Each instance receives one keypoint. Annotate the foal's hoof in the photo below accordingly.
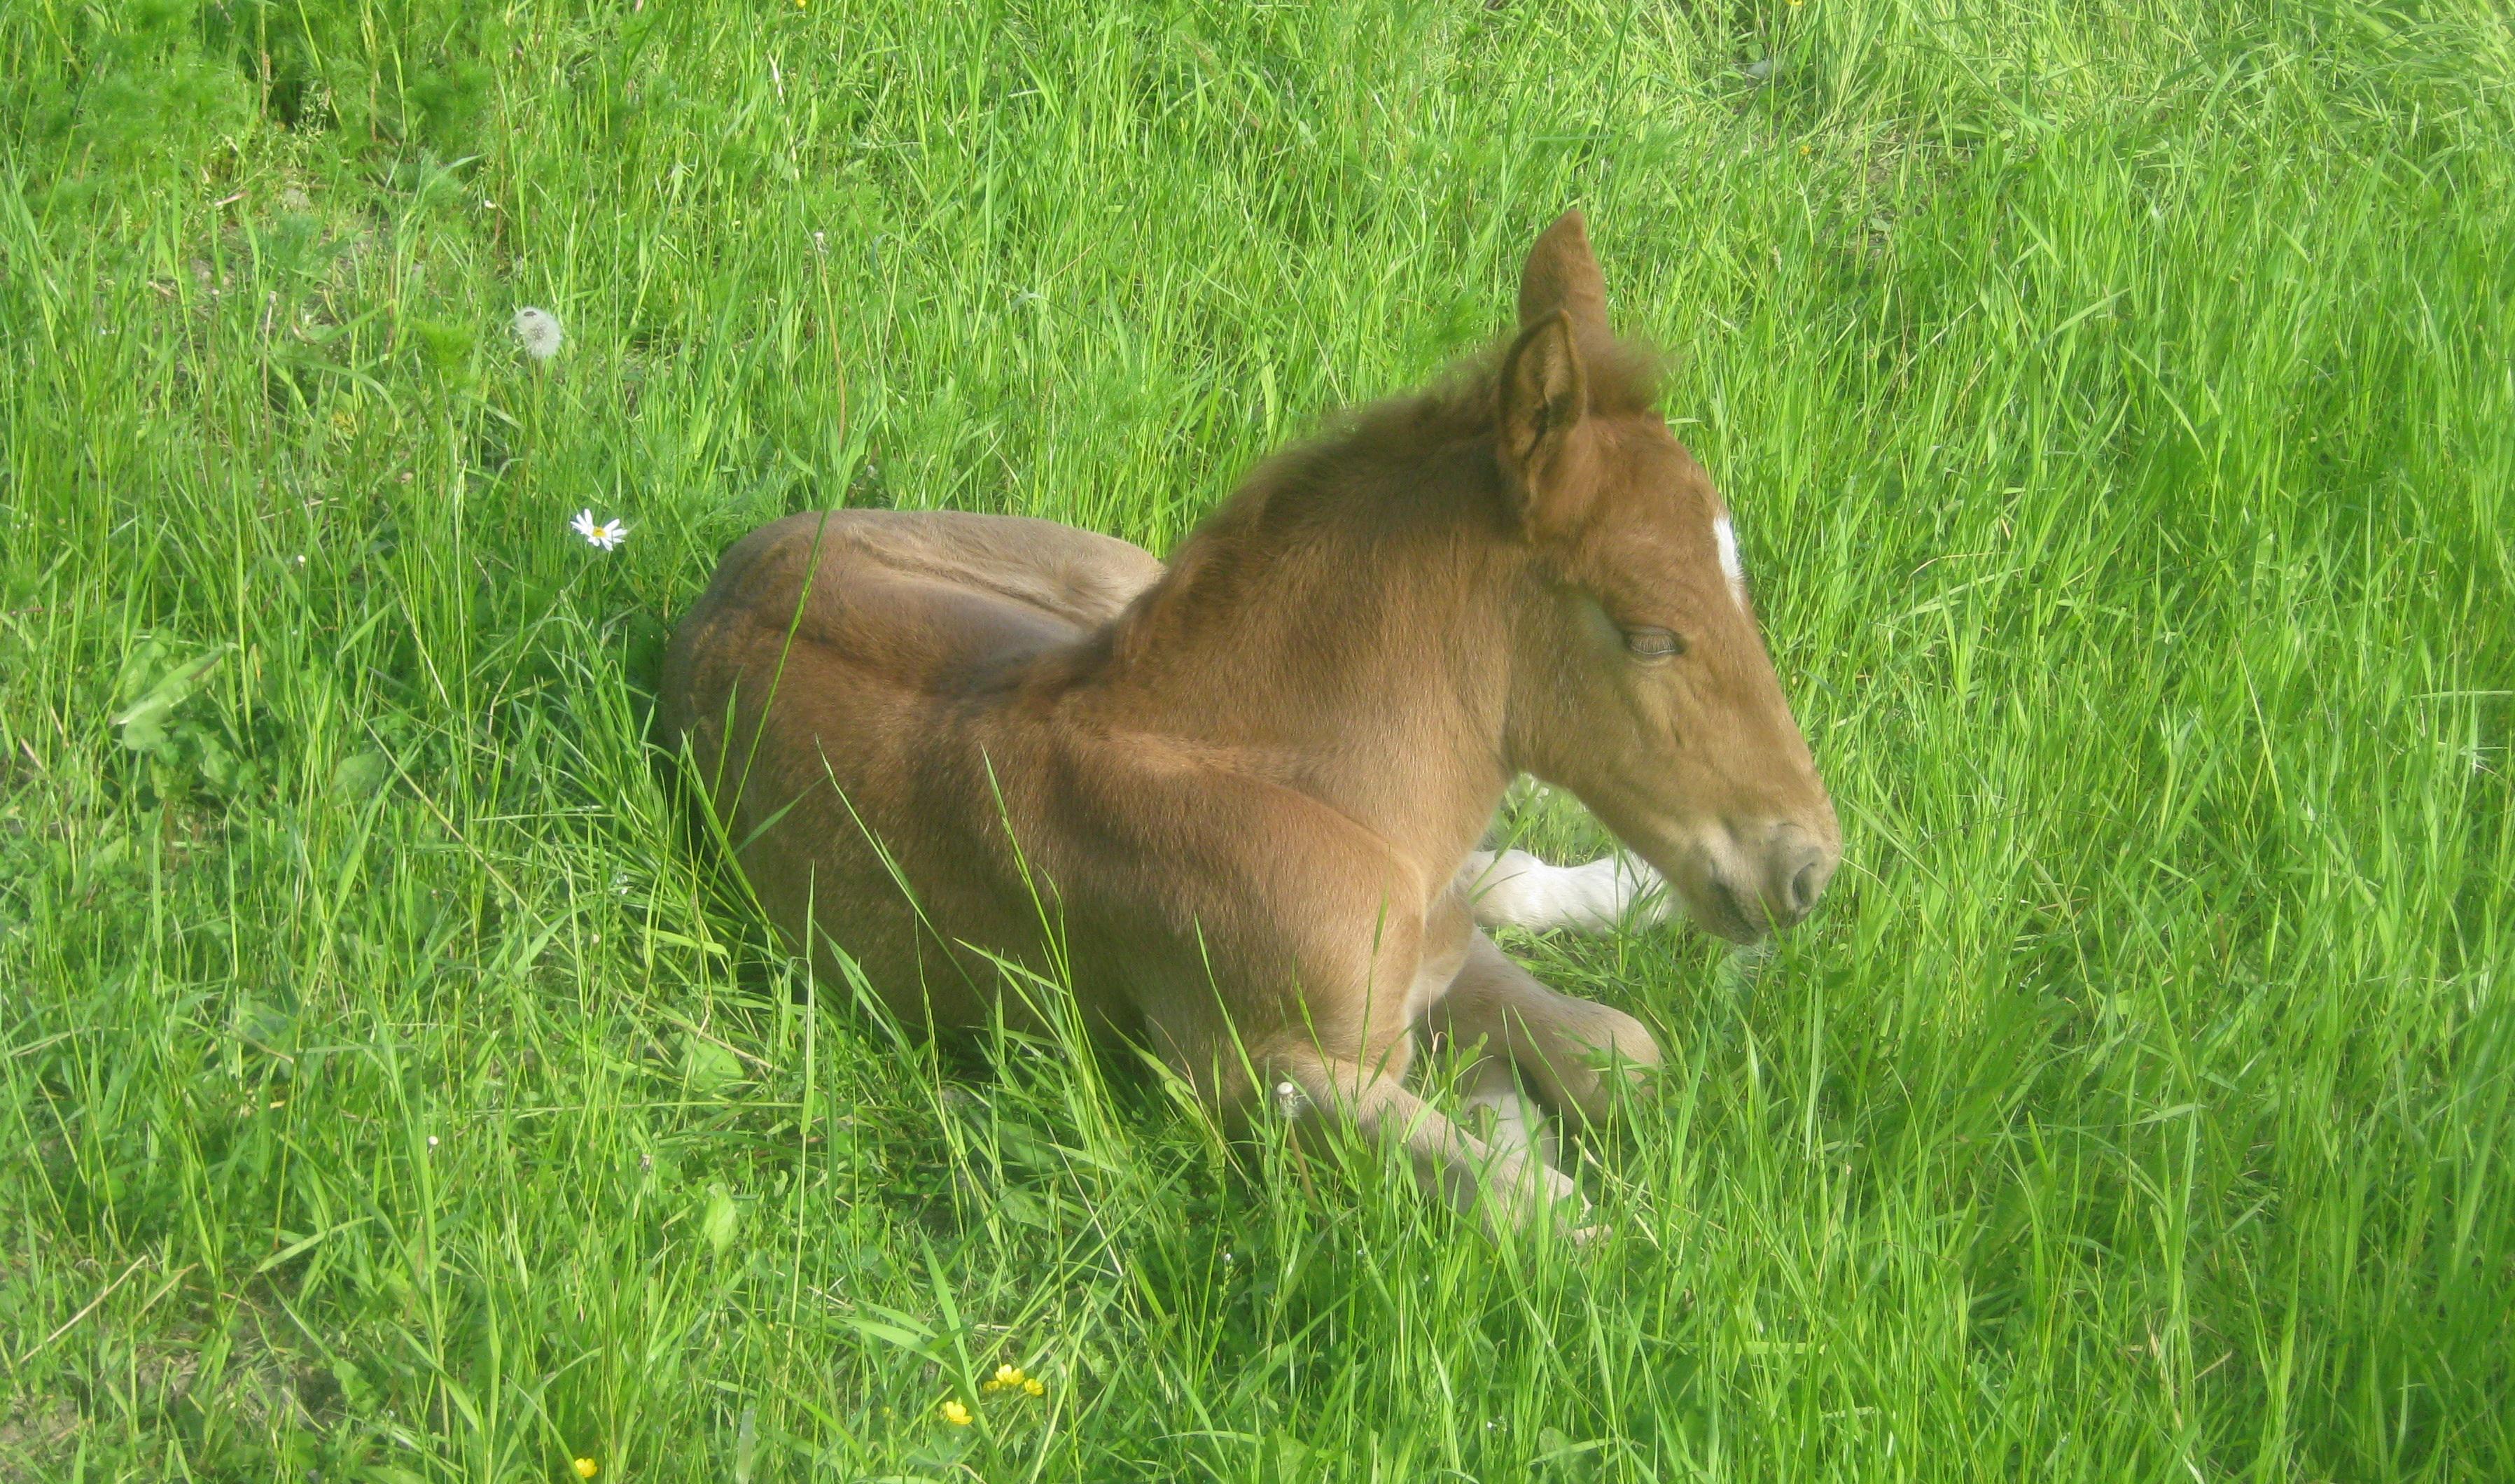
(1525, 1192)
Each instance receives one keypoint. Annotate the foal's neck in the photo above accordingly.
(1341, 629)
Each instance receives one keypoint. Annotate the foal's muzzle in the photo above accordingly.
(1763, 884)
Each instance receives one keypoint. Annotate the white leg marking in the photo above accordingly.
(1525, 1147)
(1516, 889)
(1492, 1091)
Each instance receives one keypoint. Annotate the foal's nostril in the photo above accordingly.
(1805, 888)
(1800, 870)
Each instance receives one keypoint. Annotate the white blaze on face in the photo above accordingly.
(1725, 536)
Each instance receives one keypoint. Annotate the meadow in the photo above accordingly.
(2117, 401)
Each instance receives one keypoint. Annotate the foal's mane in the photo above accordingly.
(1300, 487)
(1320, 503)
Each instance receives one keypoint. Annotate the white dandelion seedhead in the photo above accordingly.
(539, 331)
(605, 534)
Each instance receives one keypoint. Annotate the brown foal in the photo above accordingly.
(1233, 801)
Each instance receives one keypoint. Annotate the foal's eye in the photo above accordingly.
(1653, 643)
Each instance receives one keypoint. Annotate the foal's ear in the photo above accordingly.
(1542, 397)
(1562, 274)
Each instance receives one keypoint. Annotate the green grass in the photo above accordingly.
(2118, 401)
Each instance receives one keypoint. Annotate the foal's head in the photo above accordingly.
(1638, 679)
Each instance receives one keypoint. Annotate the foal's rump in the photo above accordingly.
(1081, 577)
(832, 687)
(916, 592)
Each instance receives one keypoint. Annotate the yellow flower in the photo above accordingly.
(1033, 1386)
(587, 1469)
(956, 1413)
(1006, 1378)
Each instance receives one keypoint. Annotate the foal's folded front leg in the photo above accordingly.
(1508, 1187)
(1569, 1046)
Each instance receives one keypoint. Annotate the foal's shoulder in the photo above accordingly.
(1191, 815)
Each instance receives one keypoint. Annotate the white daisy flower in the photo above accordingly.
(605, 534)
(539, 330)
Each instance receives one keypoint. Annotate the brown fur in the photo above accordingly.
(1238, 791)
